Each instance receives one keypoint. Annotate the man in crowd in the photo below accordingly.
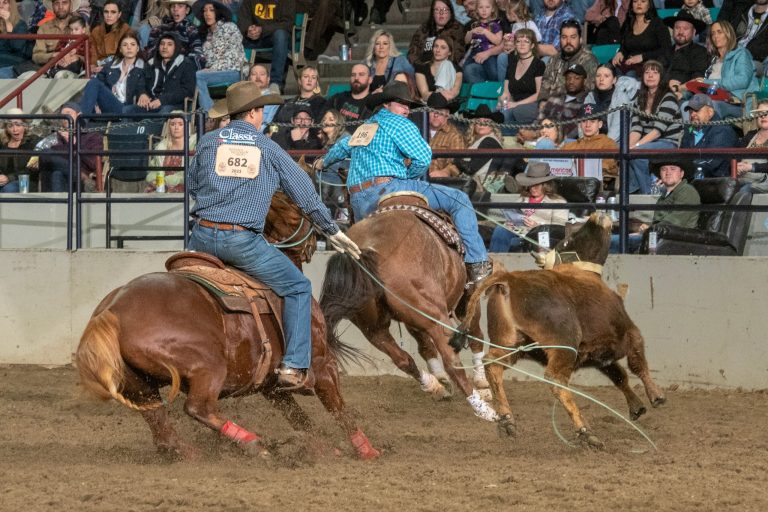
(755, 35)
(259, 74)
(443, 135)
(170, 78)
(703, 136)
(352, 103)
(567, 105)
(571, 52)
(591, 138)
(689, 59)
(267, 24)
(45, 49)
(186, 31)
(549, 23)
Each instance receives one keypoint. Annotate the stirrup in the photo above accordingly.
(291, 379)
(476, 272)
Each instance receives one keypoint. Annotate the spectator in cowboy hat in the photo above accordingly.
(180, 22)
(443, 135)
(700, 135)
(484, 133)
(689, 59)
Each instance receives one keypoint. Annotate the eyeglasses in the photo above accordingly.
(442, 10)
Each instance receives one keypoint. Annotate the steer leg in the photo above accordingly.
(618, 376)
(639, 366)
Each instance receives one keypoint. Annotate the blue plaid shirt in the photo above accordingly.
(550, 28)
(245, 201)
(396, 139)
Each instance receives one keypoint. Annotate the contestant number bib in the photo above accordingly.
(364, 134)
(238, 161)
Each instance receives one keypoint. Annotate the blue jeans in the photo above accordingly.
(98, 93)
(206, 77)
(454, 202)
(251, 253)
(485, 72)
(523, 114)
(12, 186)
(144, 31)
(633, 243)
(278, 41)
(639, 176)
(503, 240)
(7, 72)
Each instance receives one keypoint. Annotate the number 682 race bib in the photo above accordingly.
(238, 161)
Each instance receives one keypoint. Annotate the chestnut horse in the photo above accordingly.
(162, 329)
(418, 269)
(568, 306)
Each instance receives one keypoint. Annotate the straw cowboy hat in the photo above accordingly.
(243, 96)
(535, 173)
(219, 109)
(393, 91)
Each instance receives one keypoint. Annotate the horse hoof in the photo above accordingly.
(635, 414)
(257, 450)
(589, 439)
(180, 452)
(431, 385)
(448, 385)
(485, 394)
(660, 400)
(506, 427)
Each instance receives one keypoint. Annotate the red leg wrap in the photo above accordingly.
(238, 433)
(363, 446)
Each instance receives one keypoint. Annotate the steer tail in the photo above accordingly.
(102, 368)
(347, 288)
(459, 339)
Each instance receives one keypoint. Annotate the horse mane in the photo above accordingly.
(284, 224)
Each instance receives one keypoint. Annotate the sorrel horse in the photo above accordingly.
(163, 328)
(569, 306)
(420, 270)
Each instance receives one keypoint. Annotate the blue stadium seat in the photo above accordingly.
(337, 88)
(604, 52)
(667, 13)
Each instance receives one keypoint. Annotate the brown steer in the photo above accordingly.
(568, 306)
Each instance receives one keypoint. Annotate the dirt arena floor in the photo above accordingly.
(60, 451)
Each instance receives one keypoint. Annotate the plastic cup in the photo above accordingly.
(24, 183)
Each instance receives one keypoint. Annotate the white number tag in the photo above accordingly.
(363, 135)
(238, 161)
(543, 239)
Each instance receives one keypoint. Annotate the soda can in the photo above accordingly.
(344, 52)
(24, 183)
(160, 182)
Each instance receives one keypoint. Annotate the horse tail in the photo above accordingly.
(101, 366)
(460, 338)
(347, 288)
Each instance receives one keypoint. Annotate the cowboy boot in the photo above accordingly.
(476, 272)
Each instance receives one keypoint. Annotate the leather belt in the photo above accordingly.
(221, 226)
(368, 184)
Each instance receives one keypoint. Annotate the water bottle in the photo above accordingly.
(699, 174)
(655, 189)
(712, 88)
(613, 213)
(653, 241)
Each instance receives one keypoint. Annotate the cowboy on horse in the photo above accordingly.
(232, 178)
(389, 155)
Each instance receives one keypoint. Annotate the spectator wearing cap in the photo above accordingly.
(689, 59)
(703, 136)
(182, 23)
(567, 105)
(309, 97)
(644, 37)
(222, 48)
(267, 24)
(549, 22)
(611, 92)
(571, 51)
(443, 135)
(591, 138)
(301, 136)
(676, 191)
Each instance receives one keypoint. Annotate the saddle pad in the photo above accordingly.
(433, 219)
(229, 302)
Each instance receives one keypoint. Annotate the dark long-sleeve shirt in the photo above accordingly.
(689, 62)
(654, 43)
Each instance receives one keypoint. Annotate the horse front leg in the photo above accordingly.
(429, 353)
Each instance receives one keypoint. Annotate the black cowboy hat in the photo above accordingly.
(222, 10)
(682, 15)
(484, 112)
(437, 101)
(686, 164)
(394, 91)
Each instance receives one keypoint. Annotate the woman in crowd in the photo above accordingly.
(484, 43)
(518, 100)
(732, 68)
(330, 180)
(222, 48)
(486, 171)
(15, 136)
(173, 140)
(12, 52)
(517, 17)
(104, 36)
(655, 99)
(441, 22)
(644, 37)
(604, 21)
(385, 61)
(754, 171)
(535, 187)
(611, 92)
(120, 82)
(309, 97)
(441, 74)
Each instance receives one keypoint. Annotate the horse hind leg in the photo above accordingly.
(435, 364)
(638, 365)
(618, 376)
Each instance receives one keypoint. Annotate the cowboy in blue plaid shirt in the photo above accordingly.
(378, 167)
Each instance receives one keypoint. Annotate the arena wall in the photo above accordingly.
(703, 318)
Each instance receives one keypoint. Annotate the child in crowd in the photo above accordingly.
(483, 39)
(517, 17)
(72, 64)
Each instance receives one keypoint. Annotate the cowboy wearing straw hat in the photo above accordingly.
(232, 178)
(379, 149)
